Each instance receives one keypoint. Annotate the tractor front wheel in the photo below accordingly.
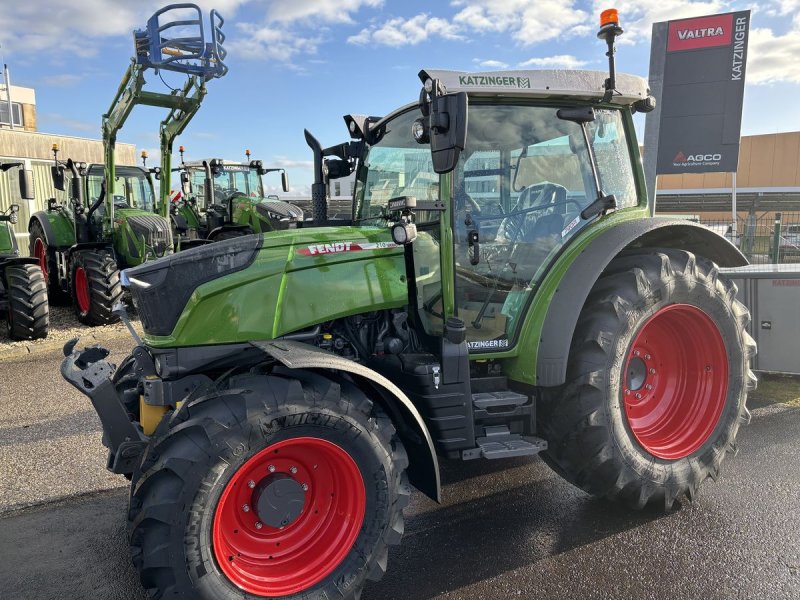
(287, 485)
(657, 380)
(28, 311)
(94, 286)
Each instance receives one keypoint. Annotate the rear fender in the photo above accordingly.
(574, 288)
(423, 470)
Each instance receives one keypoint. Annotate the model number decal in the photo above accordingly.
(338, 247)
(571, 226)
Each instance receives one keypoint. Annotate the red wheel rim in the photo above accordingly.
(675, 381)
(269, 560)
(82, 290)
(40, 252)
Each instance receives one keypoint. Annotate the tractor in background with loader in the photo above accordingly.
(23, 291)
(220, 199)
(291, 387)
(112, 219)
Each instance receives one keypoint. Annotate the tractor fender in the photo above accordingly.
(423, 470)
(46, 219)
(573, 290)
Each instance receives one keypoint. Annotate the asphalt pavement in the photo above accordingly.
(507, 529)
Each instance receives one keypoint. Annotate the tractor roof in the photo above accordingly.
(541, 84)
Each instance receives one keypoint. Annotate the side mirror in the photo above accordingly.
(75, 187)
(26, 190)
(285, 181)
(443, 123)
(57, 174)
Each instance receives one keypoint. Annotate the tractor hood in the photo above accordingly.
(143, 235)
(260, 287)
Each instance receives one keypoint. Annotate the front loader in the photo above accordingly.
(23, 291)
(112, 219)
(500, 291)
(220, 199)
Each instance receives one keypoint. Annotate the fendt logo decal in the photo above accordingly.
(339, 247)
(704, 32)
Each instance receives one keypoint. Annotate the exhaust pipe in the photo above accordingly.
(319, 204)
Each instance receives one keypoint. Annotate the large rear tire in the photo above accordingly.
(47, 263)
(94, 286)
(200, 525)
(28, 310)
(657, 380)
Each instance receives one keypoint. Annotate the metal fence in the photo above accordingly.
(763, 239)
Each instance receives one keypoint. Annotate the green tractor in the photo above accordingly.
(23, 291)
(501, 291)
(221, 199)
(112, 219)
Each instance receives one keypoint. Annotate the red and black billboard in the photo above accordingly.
(702, 62)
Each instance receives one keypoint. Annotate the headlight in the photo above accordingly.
(420, 131)
(404, 233)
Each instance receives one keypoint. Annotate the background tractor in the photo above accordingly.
(509, 296)
(23, 291)
(112, 219)
(221, 199)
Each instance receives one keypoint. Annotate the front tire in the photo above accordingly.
(94, 286)
(200, 524)
(28, 310)
(657, 381)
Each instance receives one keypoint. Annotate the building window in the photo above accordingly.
(16, 109)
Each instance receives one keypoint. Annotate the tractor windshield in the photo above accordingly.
(395, 166)
(132, 188)
(522, 182)
(228, 180)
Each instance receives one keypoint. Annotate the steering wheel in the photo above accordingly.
(532, 198)
(120, 202)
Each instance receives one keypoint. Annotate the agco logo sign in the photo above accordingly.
(681, 158)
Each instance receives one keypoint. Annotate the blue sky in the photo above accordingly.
(305, 63)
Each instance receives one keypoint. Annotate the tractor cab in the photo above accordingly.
(220, 198)
(536, 162)
(133, 188)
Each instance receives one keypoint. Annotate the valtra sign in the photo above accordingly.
(702, 65)
(704, 32)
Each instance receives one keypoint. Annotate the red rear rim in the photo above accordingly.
(676, 381)
(289, 517)
(40, 252)
(82, 290)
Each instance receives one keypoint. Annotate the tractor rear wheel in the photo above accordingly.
(94, 286)
(47, 263)
(657, 380)
(28, 310)
(288, 485)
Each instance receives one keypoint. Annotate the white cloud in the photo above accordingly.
(401, 32)
(772, 58)
(528, 22)
(271, 43)
(559, 61)
(489, 64)
(284, 11)
(284, 162)
(61, 80)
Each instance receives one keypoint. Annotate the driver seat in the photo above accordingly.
(541, 195)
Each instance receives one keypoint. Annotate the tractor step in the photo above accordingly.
(501, 401)
(499, 442)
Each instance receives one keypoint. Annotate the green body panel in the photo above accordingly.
(62, 226)
(125, 239)
(285, 290)
(6, 239)
(188, 213)
(246, 213)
